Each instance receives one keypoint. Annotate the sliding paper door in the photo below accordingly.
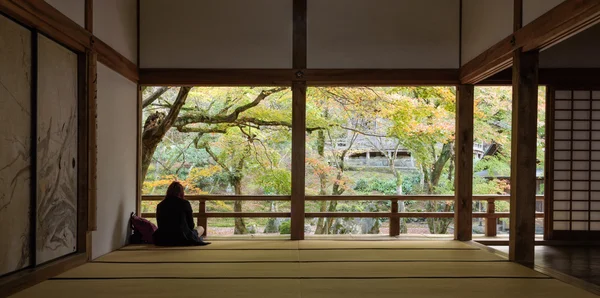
(56, 151)
(15, 145)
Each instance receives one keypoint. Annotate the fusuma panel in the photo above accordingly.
(15, 145)
(576, 166)
(383, 34)
(56, 151)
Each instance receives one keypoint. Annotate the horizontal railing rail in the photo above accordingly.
(491, 216)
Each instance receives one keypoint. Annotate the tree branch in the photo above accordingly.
(154, 96)
(230, 118)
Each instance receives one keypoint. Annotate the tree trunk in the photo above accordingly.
(329, 222)
(320, 228)
(272, 225)
(439, 165)
(438, 225)
(156, 126)
(401, 207)
(240, 226)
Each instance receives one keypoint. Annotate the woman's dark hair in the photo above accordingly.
(175, 190)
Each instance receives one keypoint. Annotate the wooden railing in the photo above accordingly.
(394, 215)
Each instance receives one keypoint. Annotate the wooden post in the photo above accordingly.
(298, 152)
(298, 119)
(463, 206)
(490, 223)
(523, 156)
(202, 220)
(394, 221)
(92, 78)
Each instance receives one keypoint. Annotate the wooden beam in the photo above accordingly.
(380, 77)
(523, 157)
(216, 77)
(564, 20)
(298, 159)
(569, 78)
(48, 20)
(115, 61)
(284, 77)
(463, 181)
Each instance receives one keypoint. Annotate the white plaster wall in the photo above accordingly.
(484, 23)
(532, 9)
(74, 9)
(216, 34)
(117, 153)
(579, 51)
(383, 33)
(115, 23)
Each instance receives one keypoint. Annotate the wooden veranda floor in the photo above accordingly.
(310, 268)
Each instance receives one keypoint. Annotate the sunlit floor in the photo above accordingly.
(309, 268)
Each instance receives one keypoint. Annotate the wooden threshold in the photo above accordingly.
(28, 277)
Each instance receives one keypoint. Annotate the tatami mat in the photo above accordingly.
(215, 256)
(365, 255)
(410, 244)
(342, 288)
(302, 270)
(355, 255)
(226, 245)
(306, 269)
(314, 244)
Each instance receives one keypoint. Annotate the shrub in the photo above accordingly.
(285, 228)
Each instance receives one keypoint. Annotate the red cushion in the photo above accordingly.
(144, 227)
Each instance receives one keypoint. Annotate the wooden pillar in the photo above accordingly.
(298, 119)
(463, 206)
(298, 153)
(523, 156)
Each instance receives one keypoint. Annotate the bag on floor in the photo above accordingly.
(142, 230)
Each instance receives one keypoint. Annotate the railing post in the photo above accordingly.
(394, 220)
(202, 220)
(490, 222)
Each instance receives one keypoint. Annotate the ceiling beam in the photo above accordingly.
(48, 20)
(564, 20)
(285, 77)
(565, 77)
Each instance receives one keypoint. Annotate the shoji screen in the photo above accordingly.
(575, 149)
